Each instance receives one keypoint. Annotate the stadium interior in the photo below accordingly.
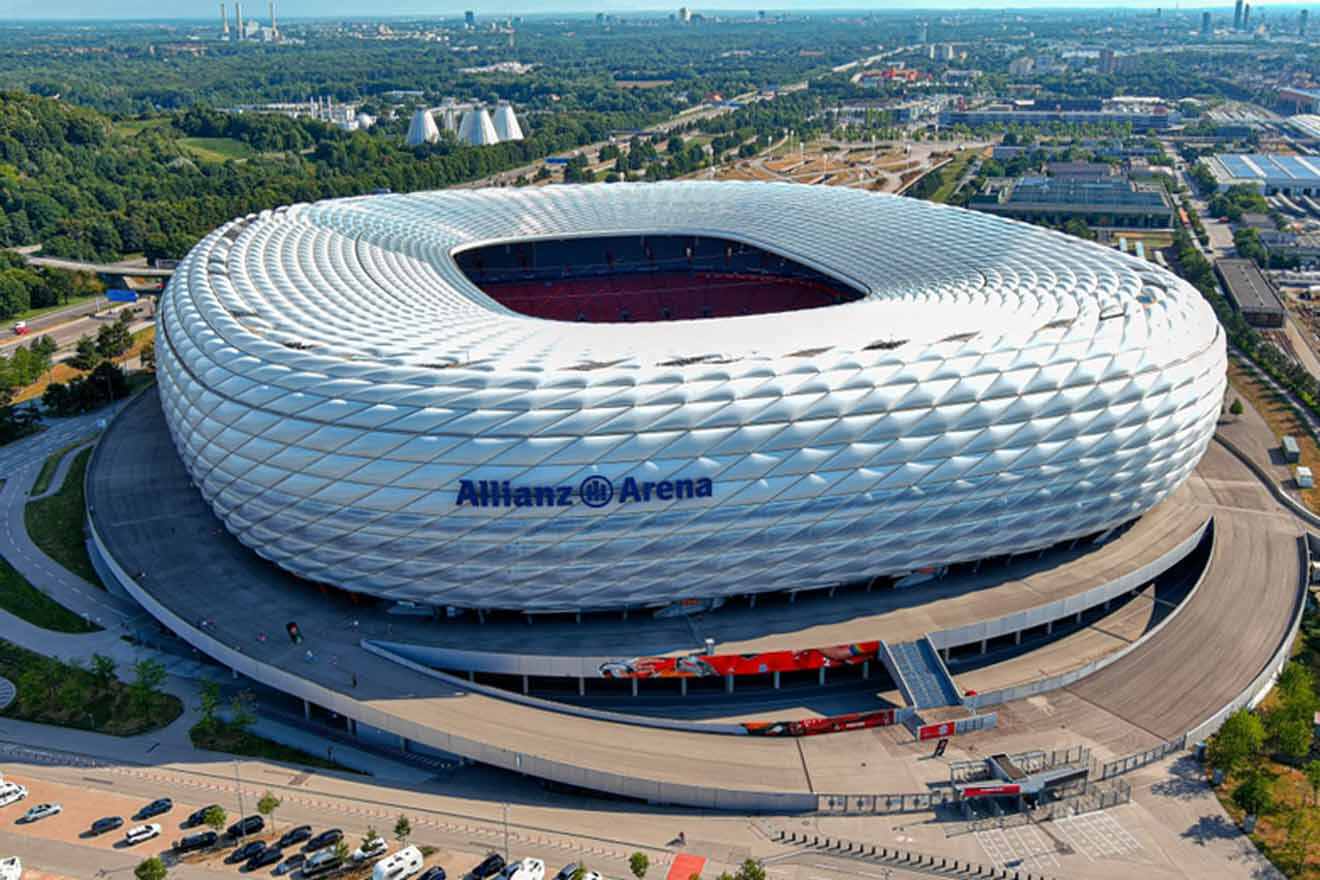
(622, 279)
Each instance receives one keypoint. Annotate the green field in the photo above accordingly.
(55, 523)
(217, 149)
(130, 127)
(21, 599)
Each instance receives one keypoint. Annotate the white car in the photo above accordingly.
(373, 849)
(525, 869)
(11, 793)
(139, 833)
(41, 811)
(11, 869)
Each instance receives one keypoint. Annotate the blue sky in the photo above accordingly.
(147, 9)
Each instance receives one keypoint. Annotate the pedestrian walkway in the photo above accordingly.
(61, 471)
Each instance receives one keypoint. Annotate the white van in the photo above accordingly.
(404, 863)
(11, 793)
(140, 833)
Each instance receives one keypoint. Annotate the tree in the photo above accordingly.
(215, 818)
(341, 850)
(1240, 739)
(1254, 795)
(402, 830)
(1301, 831)
(638, 862)
(750, 869)
(149, 675)
(149, 357)
(372, 834)
(267, 807)
(241, 708)
(208, 703)
(151, 869)
(1312, 772)
(1292, 737)
(103, 671)
(1236, 408)
(85, 355)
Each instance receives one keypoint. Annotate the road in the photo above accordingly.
(126, 267)
(67, 326)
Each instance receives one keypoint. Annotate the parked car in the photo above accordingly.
(436, 873)
(489, 867)
(41, 811)
(197, 817)
(139, 833)
(245, 852)
(321, 862)
(372, 849)
(268, 856)
(194, 842)
(155, 808)
(21, 328)
(11, 868)
(11, 793)
(567, 872)
(294, 835)
(525, 869)
(292, 863)
(106, 823)
(325, 839)
(245, 826)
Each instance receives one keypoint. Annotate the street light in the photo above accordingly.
(238, 786)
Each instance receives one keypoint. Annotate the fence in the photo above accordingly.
(1132, 762)
(884, 804)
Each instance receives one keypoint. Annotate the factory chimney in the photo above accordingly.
(224, 23)
(238, 20)
(273, 28)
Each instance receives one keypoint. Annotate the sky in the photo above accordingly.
(202, 9)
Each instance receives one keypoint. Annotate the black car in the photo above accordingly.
(108, 823)
(326, 838)
(155, 808)
(567, 872)
(244, 852)
(194, 842)
(245, 826)
(295, 835)
(268, 856)
(292, 863)
(489, 867)
(436, 873)
(197, 817)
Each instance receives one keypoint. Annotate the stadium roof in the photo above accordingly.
(372, 279)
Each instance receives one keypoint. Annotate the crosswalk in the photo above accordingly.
(1097, 835)
(1021, 847)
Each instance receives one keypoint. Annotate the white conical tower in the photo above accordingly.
(506, 124)
(422, 129)
(477, 128)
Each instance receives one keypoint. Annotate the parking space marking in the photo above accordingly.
(1097, 835)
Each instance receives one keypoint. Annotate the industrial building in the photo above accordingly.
(1251, 292)
(592, 397)
(1103, 202)
(1271, 173)
(1141, 116)
(471, 123)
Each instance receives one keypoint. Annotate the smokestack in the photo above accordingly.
(238, 21)
(272, 16)
(224, 22)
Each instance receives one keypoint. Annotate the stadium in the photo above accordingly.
(583, 398)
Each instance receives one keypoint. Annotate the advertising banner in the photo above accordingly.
(698, 665)
(935, 731)
(815, 726)
(991, 790)
(121, 296)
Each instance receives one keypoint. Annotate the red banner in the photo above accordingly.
(816, 726)
(991, 790)
(935, 731)
(719, 665)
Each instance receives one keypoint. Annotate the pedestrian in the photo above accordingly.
(355, 679)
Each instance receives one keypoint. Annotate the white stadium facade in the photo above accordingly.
(626, 395)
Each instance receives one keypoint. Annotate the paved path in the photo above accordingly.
(61, 473)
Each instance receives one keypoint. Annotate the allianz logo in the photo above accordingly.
(594, 491)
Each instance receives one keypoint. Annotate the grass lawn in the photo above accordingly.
(131, 127)
(217, 149)
(221, 736)
(21, 599)
(55, 523)
(949, 175)
(51, 692)
(49, 466)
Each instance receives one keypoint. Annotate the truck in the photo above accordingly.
(1292, 453)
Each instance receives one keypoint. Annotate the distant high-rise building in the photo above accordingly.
(1302, 22)
(760, 15)
(470, 18)
(923, 33)
(1246, 16)
(1108, 61)
(684, 14)
(1206, 26)
(600, 19)
(1237, 15)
